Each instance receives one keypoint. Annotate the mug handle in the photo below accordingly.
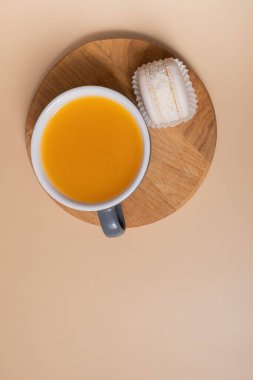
(112, 221)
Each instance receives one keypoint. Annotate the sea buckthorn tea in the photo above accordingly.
(91, 149)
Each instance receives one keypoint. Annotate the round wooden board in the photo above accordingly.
(181, 156)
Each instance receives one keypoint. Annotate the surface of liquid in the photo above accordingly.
(91, 149)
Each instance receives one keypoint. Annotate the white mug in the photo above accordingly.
(109, 212)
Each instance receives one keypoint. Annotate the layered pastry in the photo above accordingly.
(164, 93)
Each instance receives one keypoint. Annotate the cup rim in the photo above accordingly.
(51, 109)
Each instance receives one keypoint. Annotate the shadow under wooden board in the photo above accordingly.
(181, 156)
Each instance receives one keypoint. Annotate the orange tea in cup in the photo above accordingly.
(91, 149)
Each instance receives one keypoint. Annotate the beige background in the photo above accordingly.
(172, 300)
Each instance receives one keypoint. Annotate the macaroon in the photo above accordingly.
(164, 93)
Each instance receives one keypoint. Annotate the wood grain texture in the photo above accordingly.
(180, 157)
